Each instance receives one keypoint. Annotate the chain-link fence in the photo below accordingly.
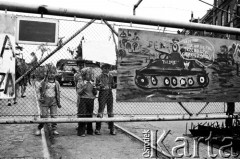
(28, 105)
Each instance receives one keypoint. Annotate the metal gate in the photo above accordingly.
(75, 31)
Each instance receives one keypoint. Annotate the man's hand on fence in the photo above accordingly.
(41, 100)
(59, 106)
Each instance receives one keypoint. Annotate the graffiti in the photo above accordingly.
(198, 49)
(7, 57)
(236, 54)
(7, 46)
(7, 82)
(170, 62)
(8, 86)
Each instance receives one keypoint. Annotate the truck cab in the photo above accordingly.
(65, 67)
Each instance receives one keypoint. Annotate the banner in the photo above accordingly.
(7, 56)
(159, 67)
(100, 51)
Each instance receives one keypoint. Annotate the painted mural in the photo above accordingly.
(159, 67)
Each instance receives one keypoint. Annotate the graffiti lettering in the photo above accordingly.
(198, 49)
(170, 62)
(2, 76)
(190, 55)
(8, 87)
(6, 45)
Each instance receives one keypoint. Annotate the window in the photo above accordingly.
(228, 15)
(216, 21)
(222, 19)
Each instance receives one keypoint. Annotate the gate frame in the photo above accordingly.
(49, 10)
(86, 14)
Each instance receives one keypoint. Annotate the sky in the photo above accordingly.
(179, 10)
(173, 10)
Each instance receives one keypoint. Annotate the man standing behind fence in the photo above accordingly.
(78, 78)
(105, 83)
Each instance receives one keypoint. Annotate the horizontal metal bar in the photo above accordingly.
(80, 13)
(115, 119)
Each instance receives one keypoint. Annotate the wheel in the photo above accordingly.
(190, 81)
(142, 80)
(154, 80)
(166, 81)
(203, 80)
(183, 82)
(174, 81)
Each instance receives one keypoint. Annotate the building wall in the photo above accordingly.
(219, 16)
(222, 17)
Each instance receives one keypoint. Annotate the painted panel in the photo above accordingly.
(159, 67)
(7, 56)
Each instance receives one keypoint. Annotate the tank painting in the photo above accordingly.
(159, 67)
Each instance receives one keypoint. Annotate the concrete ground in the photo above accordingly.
(105, 146)
(18, 140)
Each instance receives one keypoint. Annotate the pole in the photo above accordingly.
(80, 13)
(110, 27)
(135, 7)
(203, 108)
(189, 113)
(115, 119)
(55, 50)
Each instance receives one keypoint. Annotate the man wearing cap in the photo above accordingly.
(104, 84)
(33, 63)
(34, 60)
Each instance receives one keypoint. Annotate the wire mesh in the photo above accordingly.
(28, 102)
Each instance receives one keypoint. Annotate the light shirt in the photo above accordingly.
(50, 89)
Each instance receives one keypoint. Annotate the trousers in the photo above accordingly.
(105, 98)
(85, 110)
(49, 105)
